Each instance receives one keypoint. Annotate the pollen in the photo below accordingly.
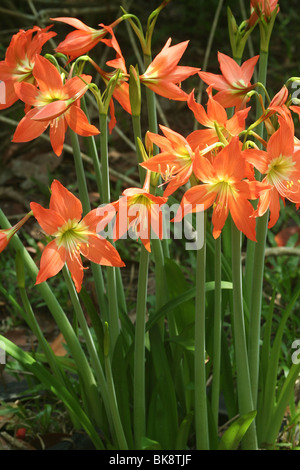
(72, 235)
(279, 173)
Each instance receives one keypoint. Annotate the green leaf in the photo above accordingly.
(236, 431)
(149, 444)
(183, 432)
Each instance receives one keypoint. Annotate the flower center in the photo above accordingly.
(23, 70)
(279, 171)
(224, 188)
(138, 214)
(72, 235)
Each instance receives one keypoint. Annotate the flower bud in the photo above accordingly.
(134, 91)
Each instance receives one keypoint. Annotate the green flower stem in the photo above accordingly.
(114, 322)
(262, 78)
(84, 198)
(104, 159)
(83, 367)
(255, 258)
(80, 174)
(159, 247)
(201, 420)
(151, 104)
(249, 265)
(215, 397)
(139, 408)
(136, 123)
(33, 324)
(255, 312)
(119, 431)
(95, 361)
(245, 401)
(92, 151)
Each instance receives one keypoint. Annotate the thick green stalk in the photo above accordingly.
(119, 431)
(250, 274)
(201, 420)
(80, 174)
(244, 388)
(215, 397)
(139, 406)
(114, 323)
(84, 198)
(255, 312)
(152, 119)
(84, 370)
(151, 104)
(98, 174)
(136, 123)
(92, 151)
(255, 259)
(35, 328)
(94, 358)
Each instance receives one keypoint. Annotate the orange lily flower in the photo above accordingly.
(72, 237)
(281, 166)
(175, 162)
(8, 233)
(164, 75)
(55, 104)
(83, 39)
(20, 59)
(234, 83)
(215, 119)
(225, 188)
(138, 211)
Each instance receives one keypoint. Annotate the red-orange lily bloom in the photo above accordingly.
(281, 166)
(164, 75)
(138, 211)
(215, 120)
(175, 161)
(234, 83)
(56, 104)
(73, 237)
(83, 39)
(225, 188)
(20, 59)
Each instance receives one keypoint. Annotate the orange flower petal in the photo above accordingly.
(57, 134)
(48, 219)
(27, 92)
(242, 211)
(79, 123)
(28, 129)
(101, 251)
(74, 264)
(52, 261)
(64, 202)
(46, 75)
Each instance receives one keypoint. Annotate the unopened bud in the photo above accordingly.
(134, 91)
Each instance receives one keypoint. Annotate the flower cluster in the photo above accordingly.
(225, 170)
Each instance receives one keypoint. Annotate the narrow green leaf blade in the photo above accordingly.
(234, 434)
